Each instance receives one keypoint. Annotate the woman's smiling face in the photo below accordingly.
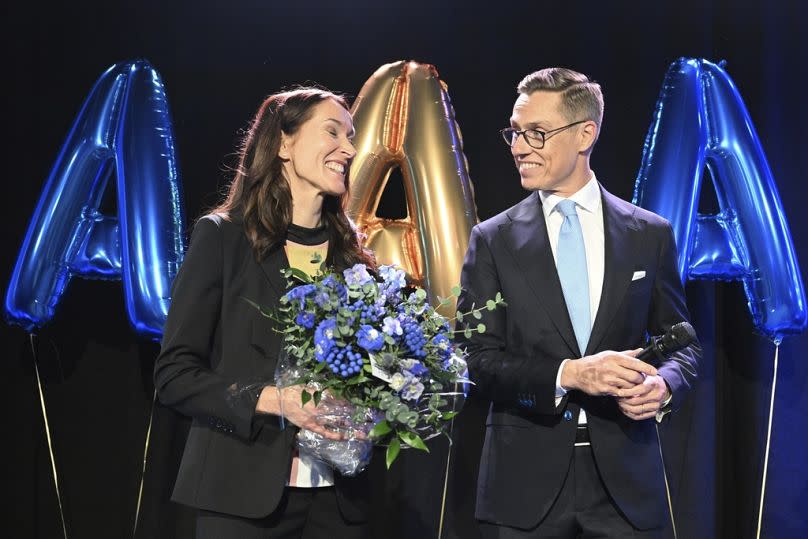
(317, 157)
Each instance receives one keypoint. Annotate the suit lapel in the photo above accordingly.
(273, 262)
(272, 265)
(527, 240)
(620, 234)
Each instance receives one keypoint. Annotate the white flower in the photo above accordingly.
(397, 381)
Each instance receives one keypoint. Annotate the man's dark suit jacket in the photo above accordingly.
(529, 440)
(217, 352)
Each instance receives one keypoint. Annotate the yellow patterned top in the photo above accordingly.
(302, 256)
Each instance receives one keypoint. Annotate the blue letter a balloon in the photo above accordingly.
(123, 125)
(701, 120)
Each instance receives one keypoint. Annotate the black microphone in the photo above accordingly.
(662, 346)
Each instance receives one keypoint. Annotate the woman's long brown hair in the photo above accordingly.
(260, 194)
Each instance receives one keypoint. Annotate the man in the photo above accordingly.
(571, 446)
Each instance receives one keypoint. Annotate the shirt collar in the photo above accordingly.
(587, 197)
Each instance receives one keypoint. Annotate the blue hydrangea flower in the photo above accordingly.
(392, 326)
(393, 280)
(333, 283)
(414, 367)
(357, 275)
(412, 391)
(370, 338)
(299, 293)
(373, 312)
(324, 338)
(322, 297)
(393, 276)
(305, 319)
(456, 363)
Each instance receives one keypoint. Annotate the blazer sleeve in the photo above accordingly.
(668, 308)
(183, 376)
(499, 375)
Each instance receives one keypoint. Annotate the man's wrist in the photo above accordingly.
(668, 396)
(566, 380)
(665, 405)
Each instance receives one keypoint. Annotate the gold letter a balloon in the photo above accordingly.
(404, 118)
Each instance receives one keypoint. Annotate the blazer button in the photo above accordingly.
(567, 415)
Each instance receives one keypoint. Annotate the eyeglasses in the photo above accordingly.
(534, 137)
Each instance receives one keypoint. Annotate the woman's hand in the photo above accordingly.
(330, 418)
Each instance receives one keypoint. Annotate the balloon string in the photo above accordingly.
(143, 470)
(48, 436)
(768, 441)
(446, 471)
(667, 485)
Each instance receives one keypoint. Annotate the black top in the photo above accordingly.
(307, 236)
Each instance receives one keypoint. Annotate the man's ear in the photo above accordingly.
(588, 136)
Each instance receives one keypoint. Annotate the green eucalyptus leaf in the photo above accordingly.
(477, 314)
(456, 290)
(480, 328)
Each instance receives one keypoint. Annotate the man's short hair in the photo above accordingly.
(581, 98)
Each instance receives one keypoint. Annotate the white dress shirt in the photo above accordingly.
(589, 205)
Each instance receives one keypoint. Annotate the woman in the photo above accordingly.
(218, 354)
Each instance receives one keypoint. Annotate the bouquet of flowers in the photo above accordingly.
(375, 356)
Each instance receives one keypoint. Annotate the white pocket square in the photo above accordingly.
(638, 275)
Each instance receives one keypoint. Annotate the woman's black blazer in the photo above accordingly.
(217, 352)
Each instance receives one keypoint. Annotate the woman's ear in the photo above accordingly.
(286, 144)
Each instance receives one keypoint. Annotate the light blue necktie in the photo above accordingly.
(571, 266)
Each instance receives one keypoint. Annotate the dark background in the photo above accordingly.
(219, 60)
